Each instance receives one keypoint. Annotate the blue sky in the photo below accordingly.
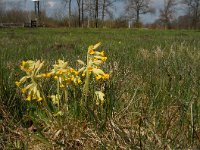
(55, 6)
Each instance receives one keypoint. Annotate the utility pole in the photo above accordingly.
(37, 12)
(37, 8)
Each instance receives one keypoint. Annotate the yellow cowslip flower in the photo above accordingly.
(56, 77)
(62, 86)
(24, 63)
(23, 90)
(76, 73)
(18, 83)
(39, 99)
(28, 98)
(91, 51)
(79, 81)
(102, 53)
(83, 74)
(60, 72)
(95, 59)
(103, 58)
(48, 75)
(106, 76)
(67, 79)
(98, 77)
(72, 70)
(90, 69)
(72, 78)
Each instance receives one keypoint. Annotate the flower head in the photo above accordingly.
(103, 58)
(18, 83)
(28, 98)
(102, 53)
(91, 51)
(39, 99)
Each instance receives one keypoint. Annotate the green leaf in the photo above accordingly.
(40, 137)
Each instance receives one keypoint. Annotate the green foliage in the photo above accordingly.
(152, 99)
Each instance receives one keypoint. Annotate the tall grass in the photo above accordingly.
(153, 92)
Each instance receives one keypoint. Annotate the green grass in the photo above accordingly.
(154, 85)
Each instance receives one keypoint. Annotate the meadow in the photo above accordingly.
(151, 97)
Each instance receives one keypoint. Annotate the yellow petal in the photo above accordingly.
(60, 72)
(98, 77)
(24, 63)
(102, 53)
(62, 86)
(48, 75)
(28, 98)
(104, 58)
(72, 70)
(56, 77)
(91, 52)
(72, 78)
(83, 74)
(79, 81)
(23, 90)
(106, 76)
(39, 99)
(17, 83)
(76, 73)
(90, 69)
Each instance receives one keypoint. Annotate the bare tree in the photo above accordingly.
(79, 12)
(68, 3)
(107, 5)
(82, 12)
(94, 10)
(135, 8)
(96, 13)
(193, 10)
(89, 11)
(168, 12)
(103, 7)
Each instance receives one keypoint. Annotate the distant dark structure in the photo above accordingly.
(34, 23)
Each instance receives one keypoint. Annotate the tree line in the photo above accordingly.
(100, 13)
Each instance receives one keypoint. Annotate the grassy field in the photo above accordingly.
(153, 94)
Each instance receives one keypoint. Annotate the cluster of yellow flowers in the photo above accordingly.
(65, 74)
(94, 60)
(62, 73)
(30, 90)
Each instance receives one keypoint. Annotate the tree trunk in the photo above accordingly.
(70, 13)
(96, 13)
(103, 10)
(90, 14)
(79, 12)
(82, 13)
(195, 19)
(137, 16)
